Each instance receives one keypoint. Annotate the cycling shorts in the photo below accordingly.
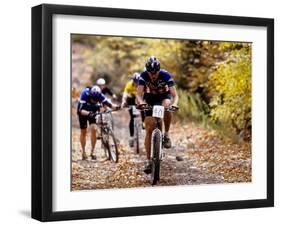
(131, 101)
(83, 121)
(155, 99)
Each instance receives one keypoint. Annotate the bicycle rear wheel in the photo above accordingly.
(112, 147)
(156, 145)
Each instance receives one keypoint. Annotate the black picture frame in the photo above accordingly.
(42, 108)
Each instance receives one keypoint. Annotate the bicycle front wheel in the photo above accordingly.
(104, 145)
(112, 147)
(111, 121)
(156, 145)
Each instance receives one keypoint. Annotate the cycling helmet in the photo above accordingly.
(152, 64)
(100, 82)
(135, 77)
(95, 91)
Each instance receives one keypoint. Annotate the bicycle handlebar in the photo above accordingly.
(146, 107)
(107, 111)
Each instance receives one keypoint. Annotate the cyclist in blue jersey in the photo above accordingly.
(89, 103)
(156, 86)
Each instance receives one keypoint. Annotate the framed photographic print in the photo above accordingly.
(145, 112)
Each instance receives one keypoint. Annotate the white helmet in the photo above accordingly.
(100, 82)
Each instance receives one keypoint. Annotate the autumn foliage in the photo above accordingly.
(213, 78)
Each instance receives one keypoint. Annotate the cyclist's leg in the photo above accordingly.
(167, 115)
(131, 101)
(149, 126)
(83, 133)
(131, 123)
(93, 137)
(131, 128)
(166, 102)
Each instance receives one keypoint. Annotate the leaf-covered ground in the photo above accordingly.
(198, 156)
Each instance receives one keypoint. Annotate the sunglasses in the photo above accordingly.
(153, 72)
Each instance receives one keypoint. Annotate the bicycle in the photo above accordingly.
(137, 127)
(157, 138)
(103, 121)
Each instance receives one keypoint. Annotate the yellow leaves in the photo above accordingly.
(219, 71)
(233, 80)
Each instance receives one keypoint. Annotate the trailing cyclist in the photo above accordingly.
(104, 89)
(129, 99)
(109, 94)
(89, 103)
(156, 87)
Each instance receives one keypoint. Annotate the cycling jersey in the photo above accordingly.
(160, 86)
(89, 103)
(130, 89)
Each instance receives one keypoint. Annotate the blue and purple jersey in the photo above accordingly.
(161, 85)
(89, 103)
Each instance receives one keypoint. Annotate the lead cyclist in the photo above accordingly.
(156, 87)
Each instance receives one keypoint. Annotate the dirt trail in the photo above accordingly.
(205, 158)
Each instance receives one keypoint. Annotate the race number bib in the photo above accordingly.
(158, 111)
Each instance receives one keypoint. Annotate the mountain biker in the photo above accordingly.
(129, 99)
(156, 86)
(89, 103)
(105, 90)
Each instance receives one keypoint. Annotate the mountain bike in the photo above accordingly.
(103, 121)
(157, 138)
(137, 127)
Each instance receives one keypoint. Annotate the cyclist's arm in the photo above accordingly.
(83, 101)
(124, 98)
(85, 113)
(125, 94)
(108, 103)
(175, 96)
(140, 91)
(108, 91)
(81, 110)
